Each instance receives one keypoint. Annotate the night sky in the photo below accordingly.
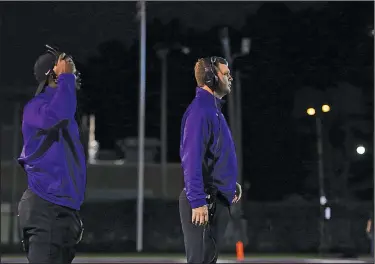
(79, 27)
(295, 46)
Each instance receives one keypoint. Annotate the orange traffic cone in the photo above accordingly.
(239, 250)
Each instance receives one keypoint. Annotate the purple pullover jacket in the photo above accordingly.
(52, 156)
(205, 137)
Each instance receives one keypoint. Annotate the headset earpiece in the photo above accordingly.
(211, 79)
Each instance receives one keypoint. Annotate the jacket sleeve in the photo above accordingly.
(194, 141)
(44, 114)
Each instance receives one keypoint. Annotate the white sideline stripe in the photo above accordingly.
(219, 261)
(334, 261)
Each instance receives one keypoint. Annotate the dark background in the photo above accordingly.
(322, 46)
(303, 54)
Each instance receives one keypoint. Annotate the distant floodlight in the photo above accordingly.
(311, 111)
(245, 46)
(185, 50)
(323, 200)
(361, 150)
(327, 213)
(326, 108)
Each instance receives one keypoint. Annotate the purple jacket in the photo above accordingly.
(205, 137)
(52, 155)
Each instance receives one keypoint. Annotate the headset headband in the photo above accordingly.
(52, 50)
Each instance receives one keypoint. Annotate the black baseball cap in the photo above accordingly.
(42, 69)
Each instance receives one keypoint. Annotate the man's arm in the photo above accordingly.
(195, 138)
(45, 114)
(368, 227)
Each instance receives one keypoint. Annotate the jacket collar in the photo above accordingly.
(209, 98)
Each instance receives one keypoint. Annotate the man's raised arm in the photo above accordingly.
(44, 114)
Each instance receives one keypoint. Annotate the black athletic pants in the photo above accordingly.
(202, 243)
(49, 232)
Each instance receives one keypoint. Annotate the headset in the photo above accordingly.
(210, 78)
(55, 52)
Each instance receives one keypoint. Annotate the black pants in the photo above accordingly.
(202, 243)
(49, 232)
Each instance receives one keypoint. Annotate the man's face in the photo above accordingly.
(225, 79)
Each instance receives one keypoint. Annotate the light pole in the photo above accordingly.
(162, 52)
(235, 116)
(322, 196)
(234, 110)
(141, 5)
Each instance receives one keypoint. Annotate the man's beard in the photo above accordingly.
(222, 90)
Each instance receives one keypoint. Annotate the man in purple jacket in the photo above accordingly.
(209, 164)
(54, 161)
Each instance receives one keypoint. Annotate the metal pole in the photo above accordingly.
(16, 128)
(141, 123)
(245, 50)
(238, 111)
(321, 182)
(163, 53)
(234, 120)
(227, 53)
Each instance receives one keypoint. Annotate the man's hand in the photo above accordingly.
(238, 193)
(64, 65)
(200, 215)
(368, 227)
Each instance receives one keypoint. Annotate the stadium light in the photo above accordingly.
(326, 108)
(311, 111)
(325, 213)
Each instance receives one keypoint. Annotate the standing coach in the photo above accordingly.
(209, 164)
(54, 161)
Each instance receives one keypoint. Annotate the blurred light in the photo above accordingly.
(327, 213)
(326, 108)
(311, 111)
(323, 200)
(245, 46)
(361, 150)
(93, 151)
(185, 50)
